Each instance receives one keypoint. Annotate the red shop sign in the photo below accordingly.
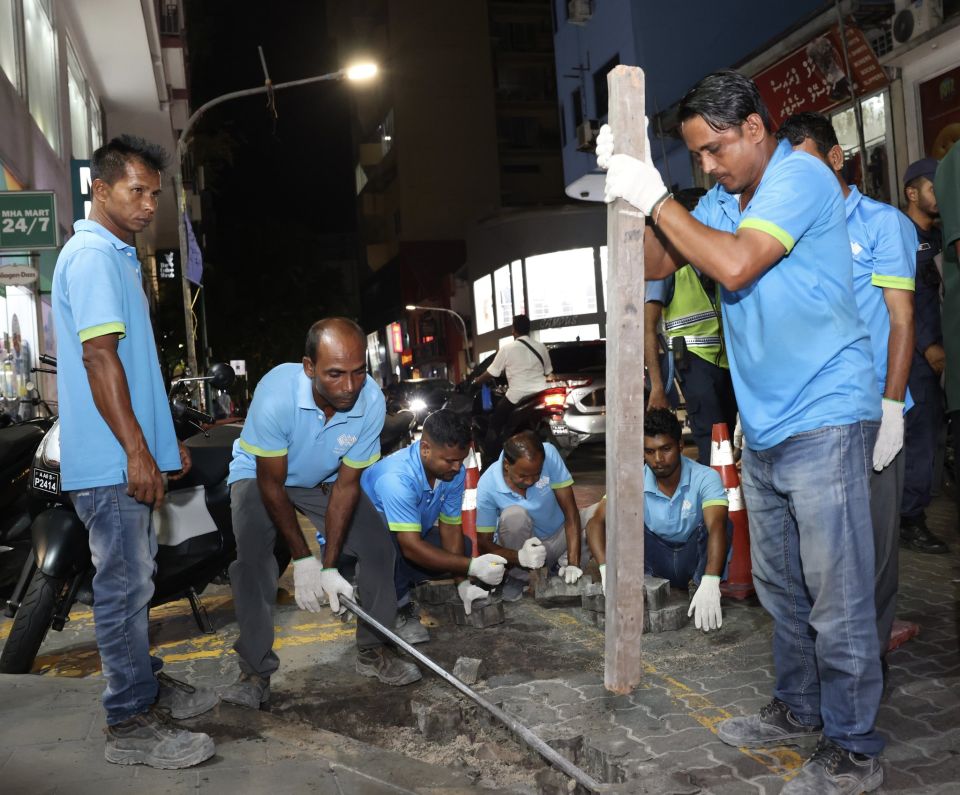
(813, 77)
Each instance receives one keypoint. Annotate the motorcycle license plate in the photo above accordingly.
(48, 482)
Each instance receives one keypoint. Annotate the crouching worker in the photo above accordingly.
(685, 531)
(311, 429)
(527, 513)
(418, 492)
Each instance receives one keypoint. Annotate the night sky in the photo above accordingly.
(278, 189)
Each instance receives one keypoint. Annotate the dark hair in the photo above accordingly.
(109, 162)
(917, 183)
(814, 126)
(447, 428)
(318, 329)
(521, 325)
(525, 444)
(724, 100)
(662, 422)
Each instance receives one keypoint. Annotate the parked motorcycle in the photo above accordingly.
(398, 431)
(194, 532)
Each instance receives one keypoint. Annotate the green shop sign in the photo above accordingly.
(28, 220)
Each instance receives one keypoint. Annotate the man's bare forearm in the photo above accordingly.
(111, 396)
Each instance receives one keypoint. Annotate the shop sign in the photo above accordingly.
(82, 186)
(940, 111)
(239, 366)
(17, 274)
(396, 337)
(28, 220)
(813, 78)
(167, 264)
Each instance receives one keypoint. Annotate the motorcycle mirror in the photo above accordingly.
(222, 375)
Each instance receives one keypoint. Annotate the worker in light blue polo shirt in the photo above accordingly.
(116, 438)
(311, 429)
(884, 244)
(527, 513)
(773, 233)
(419, 493)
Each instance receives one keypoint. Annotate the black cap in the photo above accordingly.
(921, 168)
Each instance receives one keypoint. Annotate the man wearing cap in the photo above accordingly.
(926, 368)
(947, 187)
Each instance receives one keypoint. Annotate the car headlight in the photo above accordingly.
(417, 405)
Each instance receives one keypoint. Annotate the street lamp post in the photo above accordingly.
(463, 326)
(357, 72)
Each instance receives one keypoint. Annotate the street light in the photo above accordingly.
(463, 326)
(356, 72)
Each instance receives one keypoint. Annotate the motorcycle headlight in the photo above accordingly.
(48, 453)
(417, 405)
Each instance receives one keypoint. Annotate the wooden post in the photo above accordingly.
(625, 405)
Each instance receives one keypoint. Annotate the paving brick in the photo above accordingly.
(467, 669)
(554, 592)
(438, 592)
(437, 720)
(656, 591)
(484, 613)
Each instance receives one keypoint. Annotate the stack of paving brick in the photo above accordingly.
(662, 610)
(442, 595)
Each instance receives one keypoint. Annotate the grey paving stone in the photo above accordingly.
(482, 615)
(438, 721)
(656, 592)
(467, 669)
(555, 592)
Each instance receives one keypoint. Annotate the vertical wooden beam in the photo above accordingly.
(625, 405)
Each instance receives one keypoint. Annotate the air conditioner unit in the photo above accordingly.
(913, 18)
(579, 11)
(587, 135)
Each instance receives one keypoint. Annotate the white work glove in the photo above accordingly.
(488, 568)
(628, 178)
(890, 437)
(307, 583)
(705, 604)
(604, 147)
(468, 592)
(603, 578)
(571, 574)
(333, 586)
(533, 554)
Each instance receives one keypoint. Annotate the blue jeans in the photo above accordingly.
(811, 541)
(682, 561)
(408, 574)
(123, 545)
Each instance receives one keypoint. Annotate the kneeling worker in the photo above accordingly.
(526, 499)
(415, 489)
(684, 519)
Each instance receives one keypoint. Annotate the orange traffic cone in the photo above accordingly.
(468, 512)
(739, 582)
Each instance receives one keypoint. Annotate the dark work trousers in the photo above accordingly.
(708, 392)
(409, 574)
(254, 574)
(921, 431)
(885, 490)
(493, 444)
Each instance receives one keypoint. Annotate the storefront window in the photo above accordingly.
(41, 50)
(8, 42)
(519, 308)
(483, 303)
(79, 124)
(874, 111)
(18, 346)
(561, 283)
(590, 331)
(502, 287)
(96, 123)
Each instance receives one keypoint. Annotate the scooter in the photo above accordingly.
(194, 532)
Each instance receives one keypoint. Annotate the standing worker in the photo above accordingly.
(773, 233)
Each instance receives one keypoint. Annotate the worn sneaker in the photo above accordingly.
(773, 725)
(408, 627)
(181, 700)
(832, 770)
(250, 690)
(386, 666)
(151, 739)
(513, 589)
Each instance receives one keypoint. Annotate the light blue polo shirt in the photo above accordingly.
(97, 290)
(494, 495)
(284, 419)
(398, 488)
(675, 518)
(884, 243)
(800, 356)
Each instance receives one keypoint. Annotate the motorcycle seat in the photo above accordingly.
(210, 455)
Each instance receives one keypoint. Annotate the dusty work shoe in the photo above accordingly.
(773, 725)
(386, 666)
(250, 690)
(181, 700)
(408, 626)
(832, 770)
(513, 589)
(151, 739)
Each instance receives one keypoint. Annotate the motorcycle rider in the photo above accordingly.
(117, 437)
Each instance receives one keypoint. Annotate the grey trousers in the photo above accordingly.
(886, 493)
(254, 574)
(515, 526)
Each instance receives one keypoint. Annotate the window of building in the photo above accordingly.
(590, 331)
(576, 103)
(601, 96)
(504, 300)
(8, 42)
(79, 121)
(96, 123)
(874, 111)
(483, 304)
(41, 51)
(519, 307)
(561, 283)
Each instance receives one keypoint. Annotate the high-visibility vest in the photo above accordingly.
(692, 315)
